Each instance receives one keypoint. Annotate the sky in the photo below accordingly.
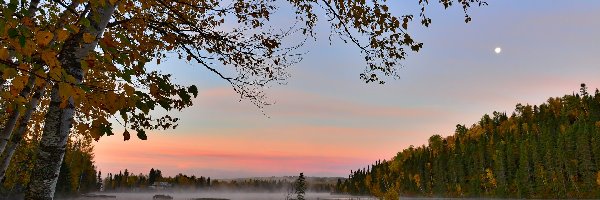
(326, 121)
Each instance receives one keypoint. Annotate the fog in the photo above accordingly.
(225, 195)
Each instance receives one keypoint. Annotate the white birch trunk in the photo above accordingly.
(20, 132)
(58, 120)
(9, 126)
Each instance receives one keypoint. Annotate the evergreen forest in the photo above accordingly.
(550, 150)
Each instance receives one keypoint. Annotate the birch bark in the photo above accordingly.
(10, 124)
(58, 120)
(20, 132)
(12, 120)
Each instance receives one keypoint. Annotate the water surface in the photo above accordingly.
(230, 195)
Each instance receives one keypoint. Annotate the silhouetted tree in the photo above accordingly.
(300, 187)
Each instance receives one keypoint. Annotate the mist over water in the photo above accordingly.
(232, 195)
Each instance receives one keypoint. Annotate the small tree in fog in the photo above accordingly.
(300, 187)
(99, 181)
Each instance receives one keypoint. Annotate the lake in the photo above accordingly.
(230, 195)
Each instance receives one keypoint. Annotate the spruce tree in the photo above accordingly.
(151, 176)
(300, 187)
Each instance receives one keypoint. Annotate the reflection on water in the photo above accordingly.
(229, 195)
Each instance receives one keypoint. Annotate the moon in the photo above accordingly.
(498, 50)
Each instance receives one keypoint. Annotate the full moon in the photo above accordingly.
(497, 50)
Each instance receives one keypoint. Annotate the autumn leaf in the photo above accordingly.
(4, 54)
(49, 57)
(142, 134)
(55, 72)
(72, 28)
(128, 89)
(405, 23)
(154, 90)
(194, 90)
(65, 91)
(43, 38)
(62, 35)
(111, 98)
(95, 133)
(9, 73)
(81, 127)
(27, 21)
(126, 135)
(18, 84)
(88, 38)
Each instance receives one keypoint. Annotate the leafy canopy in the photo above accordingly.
(117, 82)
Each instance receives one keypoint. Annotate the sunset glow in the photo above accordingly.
(326, 121)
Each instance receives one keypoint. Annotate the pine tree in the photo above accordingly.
(300, 187)
(151, 176)
(99, 181)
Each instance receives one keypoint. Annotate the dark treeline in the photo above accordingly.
(546, 151)
(126, 181)
(77, 174)
(249, 185)
(313, 184)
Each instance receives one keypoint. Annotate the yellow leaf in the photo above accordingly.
(4, 53)
(82, 128)
(49, 57)
(154, 90)
(65, 91)
(62, 35)
(43, 38)
(6, 95)
(24, 67)
(88, 38)
(28, 49)
(18, 83)
(95, 132)
(111, 99)
(27, 21)
(128, 89)
(69, 78)
(40, 81)
(119, 104)
(74, 27)
(9, 73)
(21, 101)
(55, 72)
(121, 8)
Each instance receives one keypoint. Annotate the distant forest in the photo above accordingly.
(125, 181)
(546, 151)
